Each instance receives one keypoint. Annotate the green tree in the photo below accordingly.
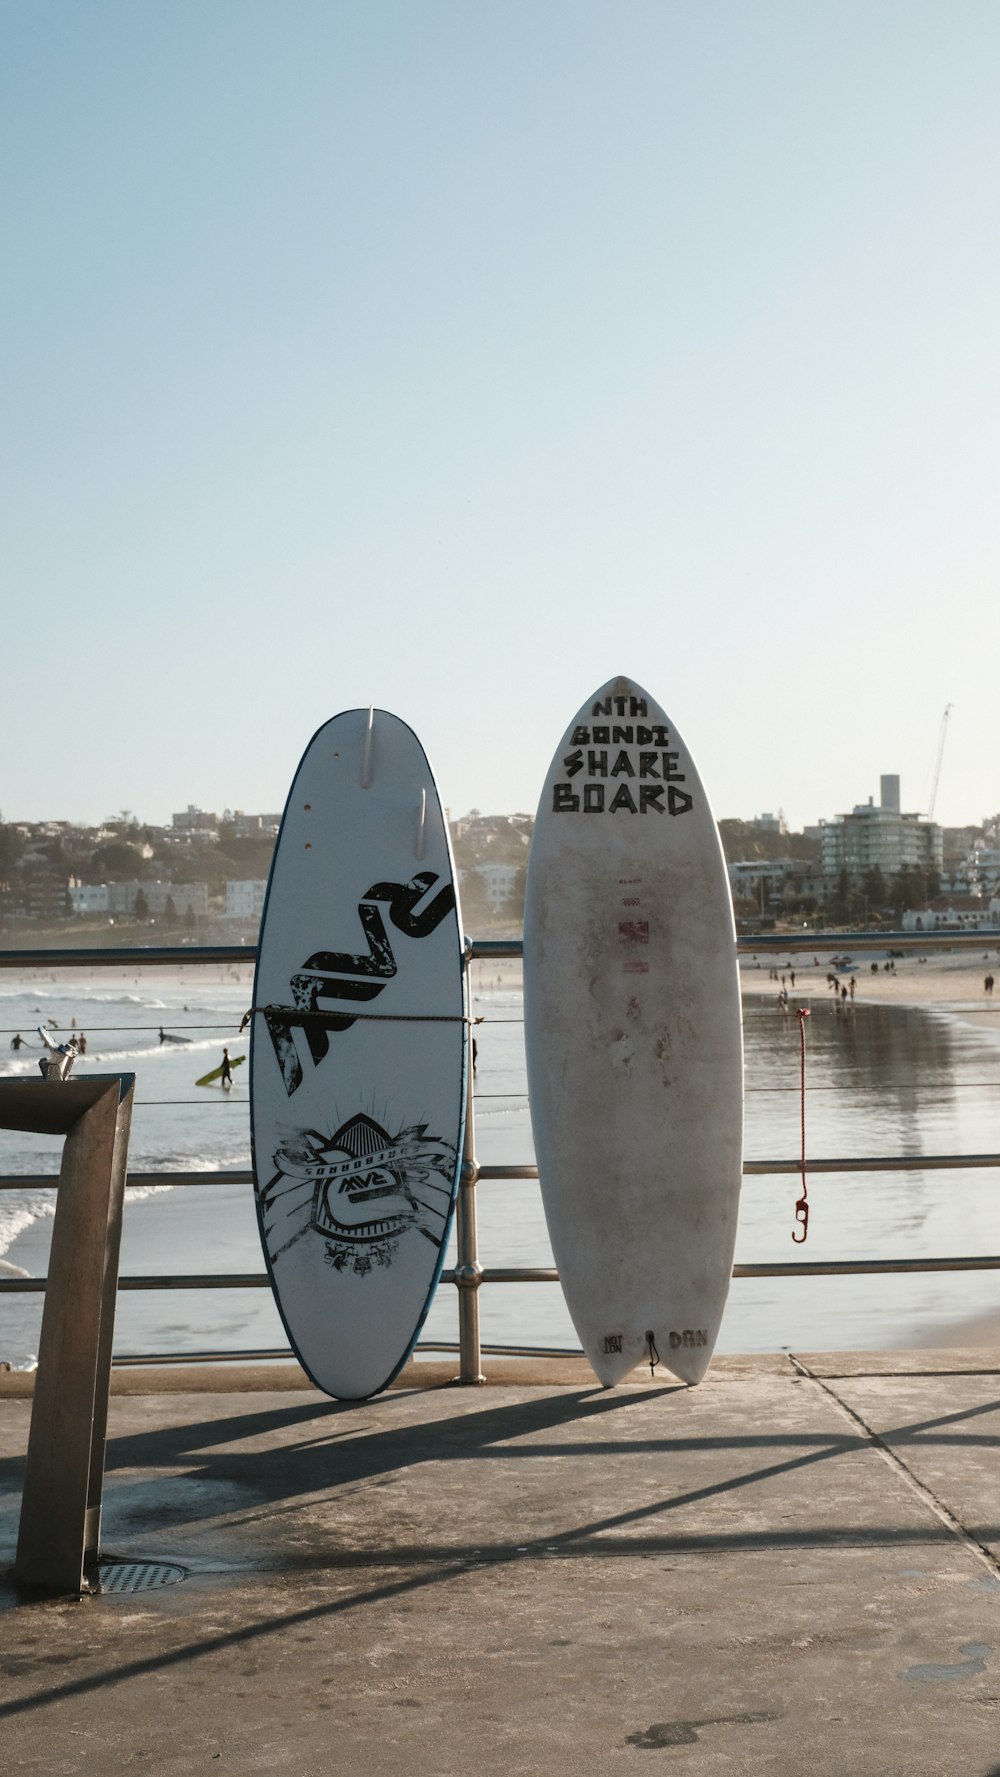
(11, 850)
(838, 907)
(114, 860)
(477, 914)
(141, 907)
(875, 889)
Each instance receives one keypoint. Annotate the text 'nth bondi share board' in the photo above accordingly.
(634, 1039)
(358, 1053)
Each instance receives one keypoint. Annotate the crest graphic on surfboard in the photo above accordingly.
(633, 1037)
(358, 1053)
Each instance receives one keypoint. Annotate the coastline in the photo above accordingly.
(951, 980)
(944, 978)
(950, 984)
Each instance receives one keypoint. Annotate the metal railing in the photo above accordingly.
(468, 1275)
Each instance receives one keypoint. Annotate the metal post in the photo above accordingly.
(59, 1535)
(468, 1271)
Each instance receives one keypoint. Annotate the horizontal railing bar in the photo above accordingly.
(868, 1267)
(134, 1359)
(221, 1176)
(178, 1280)
(37, 1181)
(489, 949)
(255, 1280)
(127, 1360)
(874, 1163)
(792, 943)
(817, 1268)
(32, 1181)
(789, 943)
(761, 1168)
(493, 1174)
(129, 957)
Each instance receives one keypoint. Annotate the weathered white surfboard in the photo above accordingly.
(358, 1052)
(634, 1038)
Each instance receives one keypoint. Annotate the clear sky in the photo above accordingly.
(455, 357)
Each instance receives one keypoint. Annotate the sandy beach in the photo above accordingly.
(943, 978)
(954, 980)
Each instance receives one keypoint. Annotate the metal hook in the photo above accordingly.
(366, 757)
(801, 1215)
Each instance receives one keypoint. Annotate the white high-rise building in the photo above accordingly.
(880, 837)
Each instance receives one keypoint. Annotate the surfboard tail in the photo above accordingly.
(685, 1352)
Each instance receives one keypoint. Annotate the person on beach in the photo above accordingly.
(227, 1071)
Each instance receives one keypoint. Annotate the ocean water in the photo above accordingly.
(880, 1080)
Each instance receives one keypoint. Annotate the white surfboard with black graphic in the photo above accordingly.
(633, 1037)
(358, 1053)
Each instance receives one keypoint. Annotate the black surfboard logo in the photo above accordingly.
(359, 1191)
(343, 978)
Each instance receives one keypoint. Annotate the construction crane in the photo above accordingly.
(937, 763)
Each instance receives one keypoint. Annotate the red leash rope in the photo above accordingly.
(802, 1206)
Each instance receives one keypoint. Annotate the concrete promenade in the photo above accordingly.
(793, 1568)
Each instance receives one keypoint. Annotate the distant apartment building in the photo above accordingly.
(253, 826)
(498, 880)
(244, 900)
(194, 823)
(761, 880)
(44, 897)
(184, 897)
(769, 881)
(879, 836)
(89, 897)
(118, 900)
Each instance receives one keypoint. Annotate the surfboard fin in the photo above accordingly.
(366, 756)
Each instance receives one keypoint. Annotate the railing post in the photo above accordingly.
(468, 1271)
(59, 1534)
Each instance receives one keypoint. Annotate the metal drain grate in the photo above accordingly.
(137, 1576)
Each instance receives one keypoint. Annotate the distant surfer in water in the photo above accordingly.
(18, 1042)
(227, 1071)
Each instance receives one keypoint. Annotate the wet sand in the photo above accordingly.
(953, 983)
